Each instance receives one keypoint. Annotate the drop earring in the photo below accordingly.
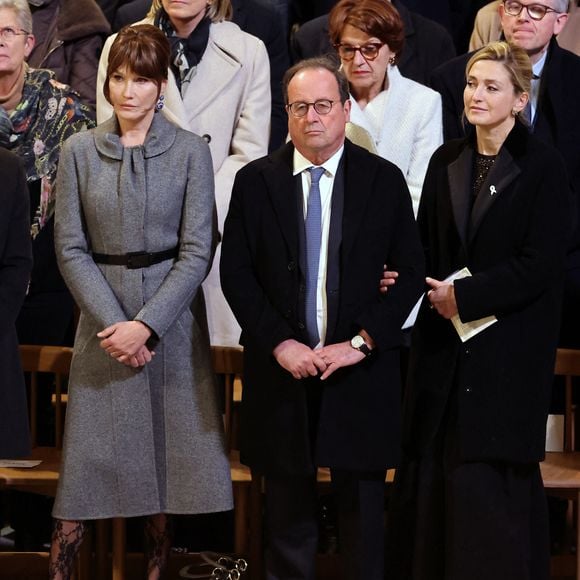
(160, 103)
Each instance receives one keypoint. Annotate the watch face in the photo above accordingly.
(357, 341)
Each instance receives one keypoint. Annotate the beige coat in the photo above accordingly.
(227, 103)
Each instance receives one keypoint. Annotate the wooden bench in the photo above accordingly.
(561, 470)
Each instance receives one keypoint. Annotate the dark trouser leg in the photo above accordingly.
(291, 528)
(361, 505)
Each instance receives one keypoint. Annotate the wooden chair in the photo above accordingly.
(36, 361)
(561, 470)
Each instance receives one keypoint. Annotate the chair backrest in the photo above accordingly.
(568, 366)
(53, 360)
(228, 363)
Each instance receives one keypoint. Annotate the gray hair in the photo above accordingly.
(22, 11)
(322, 62)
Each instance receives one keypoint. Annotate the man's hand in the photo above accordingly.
(298, 359)
(442, 297)
(339, 355)
(389, 278)
(125, 342)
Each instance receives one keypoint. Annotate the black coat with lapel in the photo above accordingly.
(359, 424)
(558, 116)
(513, 242)
(15, 267)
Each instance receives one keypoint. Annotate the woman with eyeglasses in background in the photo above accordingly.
(402, 117)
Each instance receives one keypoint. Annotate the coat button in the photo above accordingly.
(288, 313)
(467, 351)
(468, 389)
(206, 138)
(301, 326)
(291, 266)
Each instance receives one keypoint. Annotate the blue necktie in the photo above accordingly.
(313, 227)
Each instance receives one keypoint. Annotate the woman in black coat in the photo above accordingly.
(468, 500)
(15, 266)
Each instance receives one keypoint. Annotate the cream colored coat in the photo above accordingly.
(411, 129)
(228, 104)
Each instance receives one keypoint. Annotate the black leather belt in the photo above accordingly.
(136, 260)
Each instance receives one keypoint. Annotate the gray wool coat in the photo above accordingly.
(149, 440)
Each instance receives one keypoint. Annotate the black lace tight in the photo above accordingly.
(67, 537)
(158, 537)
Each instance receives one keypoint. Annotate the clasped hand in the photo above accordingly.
(125, 342)
(301, 361)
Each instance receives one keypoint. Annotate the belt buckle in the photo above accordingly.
(137, 260)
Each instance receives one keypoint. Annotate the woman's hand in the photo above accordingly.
(442, 297)
(125, 342)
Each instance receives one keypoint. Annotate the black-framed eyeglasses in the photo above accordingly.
(9, 33)
(300, 108)
(535, 11)
(369, 51)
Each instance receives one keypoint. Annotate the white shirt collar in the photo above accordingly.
(300, 163)
(538, 67)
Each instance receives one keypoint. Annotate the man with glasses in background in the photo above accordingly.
(308, 231)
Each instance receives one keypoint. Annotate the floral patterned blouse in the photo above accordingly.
(48, 113)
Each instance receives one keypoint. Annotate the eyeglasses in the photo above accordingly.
(9, 34)
(369, 51)
(535, 11)
(300, 109)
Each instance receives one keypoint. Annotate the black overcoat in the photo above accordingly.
(359, 422)
(514, 244)
(15, 267)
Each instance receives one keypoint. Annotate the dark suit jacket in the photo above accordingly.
(359, 423)
(15, 267)
(427, 44)
(514, 244)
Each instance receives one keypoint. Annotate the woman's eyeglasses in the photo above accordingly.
(8, 33)
(300, 109)
(535, 11)
(369, 51)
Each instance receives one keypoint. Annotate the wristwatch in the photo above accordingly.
(358, 342)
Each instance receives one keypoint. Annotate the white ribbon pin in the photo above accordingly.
(492, 190)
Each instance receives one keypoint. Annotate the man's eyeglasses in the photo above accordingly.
(300, 109)
(369, 51)
(8, 33)
(535, 11)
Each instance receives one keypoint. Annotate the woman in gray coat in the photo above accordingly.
(135, 238)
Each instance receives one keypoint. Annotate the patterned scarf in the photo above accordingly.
(185, 52)
(46, 115)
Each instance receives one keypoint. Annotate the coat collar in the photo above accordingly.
(159, 139)
(358, 176)
(460, 175)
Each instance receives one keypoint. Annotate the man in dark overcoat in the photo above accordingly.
(307, 234)
(15, 267)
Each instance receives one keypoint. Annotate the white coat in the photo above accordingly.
(410, 131)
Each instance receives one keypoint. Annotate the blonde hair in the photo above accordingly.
(216, 10)
(514, 59)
